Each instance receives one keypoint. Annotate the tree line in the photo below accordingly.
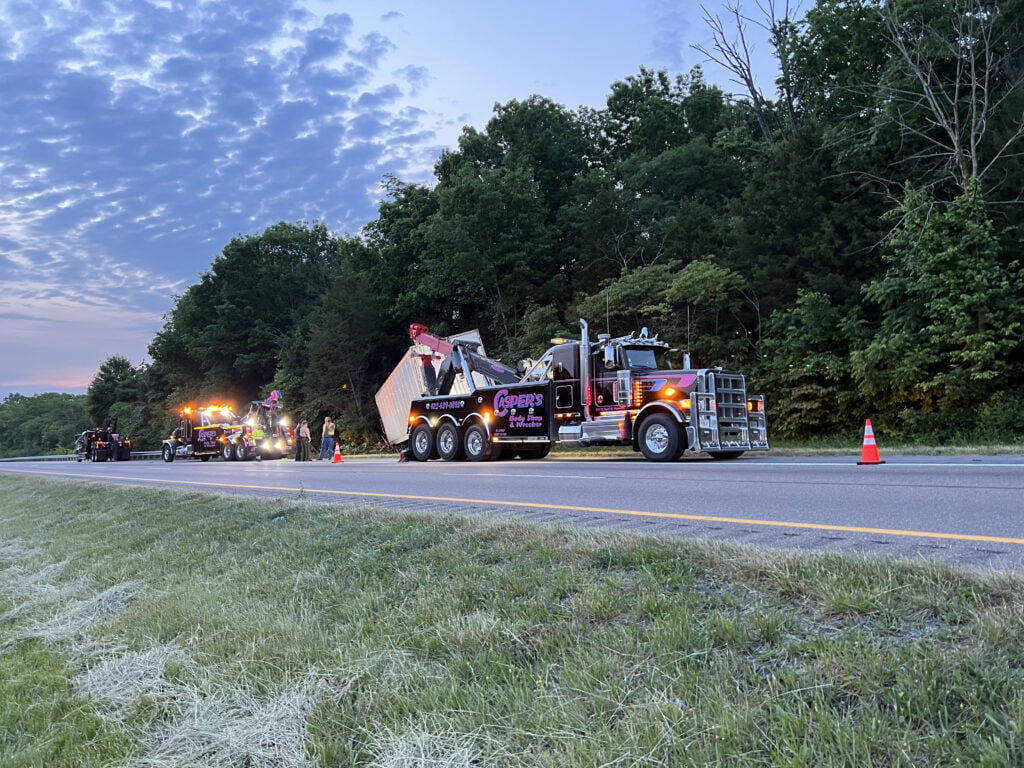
(850, 241)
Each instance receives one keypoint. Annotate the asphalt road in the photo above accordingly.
(967, 511)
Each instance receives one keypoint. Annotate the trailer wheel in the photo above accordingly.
(228, 452)
(449, 443)
(478, 446)
(660, 438)
(241, 451)
(168, 452)
(421, 443)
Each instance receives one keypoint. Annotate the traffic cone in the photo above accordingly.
(337, 454)
(869, 453)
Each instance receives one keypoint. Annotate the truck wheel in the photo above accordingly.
(242, 452)
(228, 452)
(723, 455)
(421, 443)
(168, 453)
(449, 443)
(661, 438)
(478, 446)
(204, 458)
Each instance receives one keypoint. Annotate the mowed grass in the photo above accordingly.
(167, 628)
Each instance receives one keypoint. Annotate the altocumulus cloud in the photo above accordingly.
(136, 138)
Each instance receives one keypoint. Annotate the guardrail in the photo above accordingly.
(74, 457)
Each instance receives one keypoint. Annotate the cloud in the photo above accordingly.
(136, 139)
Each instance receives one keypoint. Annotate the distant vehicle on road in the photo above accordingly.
(103, 443)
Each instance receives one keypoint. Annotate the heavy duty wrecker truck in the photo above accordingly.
(450, 401)
(103, 443)
(217, 431)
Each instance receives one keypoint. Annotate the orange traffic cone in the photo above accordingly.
(337, 454)
(869, 453)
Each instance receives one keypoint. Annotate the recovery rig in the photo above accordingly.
(216, 431)
(103, 443)
(450, 401)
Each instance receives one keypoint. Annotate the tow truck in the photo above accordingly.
(272, 435)
(448, 400)
(103, 443)
(216, 430)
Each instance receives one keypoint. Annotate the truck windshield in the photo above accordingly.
(641, 358)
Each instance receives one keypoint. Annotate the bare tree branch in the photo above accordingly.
(959, 101)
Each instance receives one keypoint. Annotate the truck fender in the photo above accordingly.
(476, 418)
(650, 408)
(419, 420)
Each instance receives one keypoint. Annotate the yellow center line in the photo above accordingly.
(564, 508)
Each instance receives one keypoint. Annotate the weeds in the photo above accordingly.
(238, 632)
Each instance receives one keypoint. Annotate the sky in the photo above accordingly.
(137, 137)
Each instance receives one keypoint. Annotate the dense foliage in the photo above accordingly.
(41, 424)
(853, 245)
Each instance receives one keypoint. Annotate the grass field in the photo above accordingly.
(165, 628)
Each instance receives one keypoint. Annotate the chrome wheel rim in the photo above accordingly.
(656, 439)
(446, 441)
(422, 441)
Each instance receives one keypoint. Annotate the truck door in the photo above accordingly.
(565, 383)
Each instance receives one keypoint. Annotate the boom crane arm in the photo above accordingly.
(460, 357)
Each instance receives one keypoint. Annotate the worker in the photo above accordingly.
(327, 440)
(302, 453)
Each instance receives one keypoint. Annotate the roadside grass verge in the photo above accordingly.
(158, 628)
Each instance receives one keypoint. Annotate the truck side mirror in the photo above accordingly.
(609, 357)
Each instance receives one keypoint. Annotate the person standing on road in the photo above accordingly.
(302, 452)
(327, 441)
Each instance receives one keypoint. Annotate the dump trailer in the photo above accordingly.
(103, 443)
(457, 403)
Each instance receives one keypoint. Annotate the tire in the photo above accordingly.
(204, 458)
(168, 453)
(241, 452)
(422, 445)
(449, 443)
(661, 438)
(228, 452)
(478, 446)
(726, 455)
